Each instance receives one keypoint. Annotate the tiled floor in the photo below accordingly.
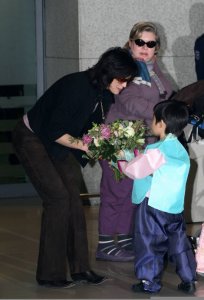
(19, 234)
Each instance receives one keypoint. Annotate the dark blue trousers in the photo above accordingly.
(156, 234)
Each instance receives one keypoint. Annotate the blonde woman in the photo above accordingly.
(135, 102)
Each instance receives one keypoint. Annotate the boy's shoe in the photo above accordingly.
(193, 240)
(121, 255)
(187, 287)
(140, 288)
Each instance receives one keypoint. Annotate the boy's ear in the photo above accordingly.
(162, 124)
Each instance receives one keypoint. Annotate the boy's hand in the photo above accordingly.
(120, 155)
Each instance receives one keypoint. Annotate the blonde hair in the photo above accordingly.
(139, 28)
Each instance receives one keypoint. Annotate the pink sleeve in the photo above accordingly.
(142, 165)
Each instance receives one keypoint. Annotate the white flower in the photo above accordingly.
(129, 132)
(120, 131)
(141, 141)
(96, 142)
(115, 133)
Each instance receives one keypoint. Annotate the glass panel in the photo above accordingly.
(18, 82)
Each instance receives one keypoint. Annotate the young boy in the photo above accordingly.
(160, 175)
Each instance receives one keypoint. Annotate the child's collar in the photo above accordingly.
(169, 136)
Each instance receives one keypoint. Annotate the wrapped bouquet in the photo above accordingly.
(106, 141)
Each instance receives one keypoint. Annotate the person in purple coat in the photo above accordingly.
(135, 102)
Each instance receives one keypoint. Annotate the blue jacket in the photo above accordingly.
(167, 184)
(199, 57)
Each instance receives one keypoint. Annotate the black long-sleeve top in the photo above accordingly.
(68, 106)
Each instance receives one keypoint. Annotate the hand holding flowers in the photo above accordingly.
(106, 141)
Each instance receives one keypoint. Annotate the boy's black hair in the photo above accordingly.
(174, 114)
(115, 63)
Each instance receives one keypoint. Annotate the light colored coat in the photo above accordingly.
(160, 173)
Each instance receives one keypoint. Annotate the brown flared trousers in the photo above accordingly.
(63, 229)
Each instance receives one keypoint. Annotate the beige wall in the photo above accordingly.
(77, 32)
(105, 23)
(61, 39)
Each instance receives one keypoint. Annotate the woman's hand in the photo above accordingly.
(85, 148)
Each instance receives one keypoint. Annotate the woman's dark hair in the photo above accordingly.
(174, 114)
(115, 63)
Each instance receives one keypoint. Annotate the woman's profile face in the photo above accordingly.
(117, 85)
(143, 52)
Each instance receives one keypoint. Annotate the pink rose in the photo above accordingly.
(87, 139)
(105, 132)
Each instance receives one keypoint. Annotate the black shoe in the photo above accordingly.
(139, 288)
(56, 283)
(87, 277)
(187, 287)
(193, 242)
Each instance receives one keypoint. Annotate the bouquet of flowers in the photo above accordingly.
(106, 141)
